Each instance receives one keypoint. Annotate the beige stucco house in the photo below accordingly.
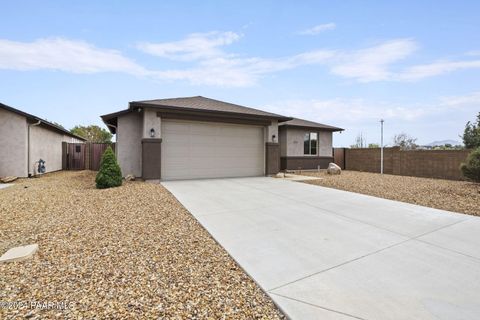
(305, 144)
(198, 137)
(25, 139)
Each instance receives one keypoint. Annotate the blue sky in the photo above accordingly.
(345, 63)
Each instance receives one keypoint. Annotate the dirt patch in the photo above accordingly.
(458, 196)
(127, 252)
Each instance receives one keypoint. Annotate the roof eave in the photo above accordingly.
(136, 104)
(332, 129)
(48, 124)
(110, 119)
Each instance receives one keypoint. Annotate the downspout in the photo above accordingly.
(28, 145)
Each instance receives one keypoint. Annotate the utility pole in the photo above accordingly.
(381, 146)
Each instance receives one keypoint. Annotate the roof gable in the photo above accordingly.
(301, 123)
(200, 103)
(45, 123)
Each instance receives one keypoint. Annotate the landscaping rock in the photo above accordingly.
(19, 253)
(130, 177)
(8, 179)
(131, 252)
(457, 196)
(333, 169)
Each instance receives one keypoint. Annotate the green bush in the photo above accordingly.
(109, 174)
(471, 169)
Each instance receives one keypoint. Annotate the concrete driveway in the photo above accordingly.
(322, 253)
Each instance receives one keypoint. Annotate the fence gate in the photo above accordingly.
(76, 156)
(83, 156)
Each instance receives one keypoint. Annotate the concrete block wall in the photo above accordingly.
(442, 164)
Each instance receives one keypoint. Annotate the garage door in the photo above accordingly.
(192, 150)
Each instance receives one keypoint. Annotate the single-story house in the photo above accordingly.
(305, 144)
(25, 139)
(198, 137)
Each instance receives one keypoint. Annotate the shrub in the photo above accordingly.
(109, 174)
(471, 169)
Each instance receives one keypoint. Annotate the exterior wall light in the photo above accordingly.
(152, 133)
(273, 137)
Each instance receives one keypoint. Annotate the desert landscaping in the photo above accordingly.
(126, 252)
(457, 196)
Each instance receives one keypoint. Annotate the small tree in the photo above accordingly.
(404, 141)
(360, 142)
(109, 174)
(471, 169)
(471, 134)
(92, 133)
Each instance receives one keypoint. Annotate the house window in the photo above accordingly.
(310, 143)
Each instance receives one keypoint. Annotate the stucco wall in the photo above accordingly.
(129, 143)
(46, 144)
(325, 144)
(13, 144)
(151, 120)
(272, 129)
(295, 142)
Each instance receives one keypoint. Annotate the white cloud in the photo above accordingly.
(217, 67)
(64, 55)
(195, 46)
(461, 101)
(379, 63)
(436, 68)
(473, 53)
(241, 72)
(201, 59)
(373, 64)
(421, 119)
(341, 111)
(357, 111)
(214, 66)
(318, 29)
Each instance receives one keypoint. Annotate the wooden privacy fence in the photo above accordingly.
(83, 156)
(442, 164)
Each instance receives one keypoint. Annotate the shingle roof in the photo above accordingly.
(200, 103)
(45, 123)
(295, 122)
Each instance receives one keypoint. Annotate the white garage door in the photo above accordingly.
(192, 150)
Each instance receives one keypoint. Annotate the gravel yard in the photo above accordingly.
(127, 252)
(458, 196)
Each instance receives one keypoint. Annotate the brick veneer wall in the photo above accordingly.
(443, 164)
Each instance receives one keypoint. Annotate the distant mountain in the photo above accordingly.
(444, 142)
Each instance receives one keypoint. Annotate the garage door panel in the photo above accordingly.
(208, 150)
(177, 153)
(202, 129)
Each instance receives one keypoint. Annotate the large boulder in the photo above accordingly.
(333, 169)
(129, 177)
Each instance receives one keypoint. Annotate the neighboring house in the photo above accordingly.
(25, 139)
(197, 137)
(305, 144)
